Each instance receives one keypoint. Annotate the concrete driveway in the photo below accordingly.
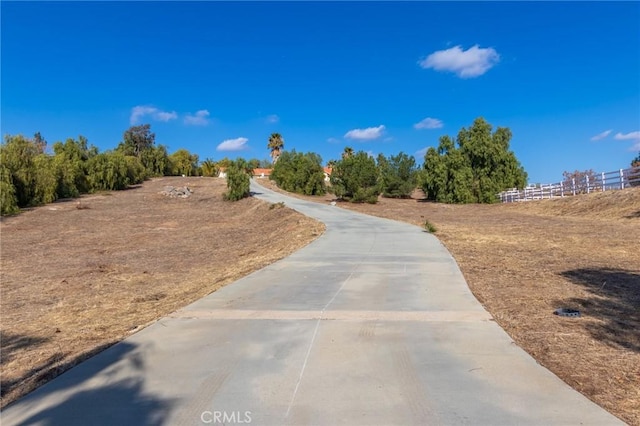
(370, 324)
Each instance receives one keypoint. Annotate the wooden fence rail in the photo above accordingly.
(605, 181)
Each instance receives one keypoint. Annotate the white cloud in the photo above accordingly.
(200, 118)
(272, 119)
(365, 134)
(140, 111)
(333, 140)
(421, 153)
(237, 144)
(464, 63)
(601, 136)
(429, 123)
(633, 136)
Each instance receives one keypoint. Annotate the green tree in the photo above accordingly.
(8, 200)
(108, 171)
(156, 161)
(70, 161)
(224, 163)
(40, 142)
(238, 180)
(183, 163)
(348, 152)
(636, 161)
(254, 163)
(276, 145)
(17, 155)
(355, 178)
(300, 173)
(209, 168)
(137, 139)
(45, 180)
(398, 175)
(476, 171)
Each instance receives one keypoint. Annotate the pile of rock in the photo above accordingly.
(173, 192)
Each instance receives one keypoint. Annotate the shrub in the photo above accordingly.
(429, 227)
(238, 181)
(299, 173)
(355, 178)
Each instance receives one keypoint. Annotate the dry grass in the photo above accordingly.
(523, 261)
(80, 276)
(77, 279)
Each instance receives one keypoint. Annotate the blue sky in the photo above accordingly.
(218, 78)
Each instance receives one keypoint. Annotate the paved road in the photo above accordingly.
(372, 323)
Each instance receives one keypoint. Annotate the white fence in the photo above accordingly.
(605, 181)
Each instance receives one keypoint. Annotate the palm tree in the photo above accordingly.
(209, 168)
(276, 144)
(348, 152)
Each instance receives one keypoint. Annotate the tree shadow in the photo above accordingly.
(14, 342)
(614, 299)
(87, 400)
(633, 215)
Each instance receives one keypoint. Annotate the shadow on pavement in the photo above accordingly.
(120, 402)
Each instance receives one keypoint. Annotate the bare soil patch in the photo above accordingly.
(525, 260)
(80, 275)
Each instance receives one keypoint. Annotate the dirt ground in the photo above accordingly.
(80, 276)
(525, 260)
(77, 278)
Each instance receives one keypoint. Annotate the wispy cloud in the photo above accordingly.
(237, 144)
(365, 134)
(200, 118)
(272, 119)
(140, 111)
(601, 136)
(633, 136)
(333, 140)
(429, 123)
(469, 63)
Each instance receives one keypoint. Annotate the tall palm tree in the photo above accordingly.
(348, 152)
(276, 144)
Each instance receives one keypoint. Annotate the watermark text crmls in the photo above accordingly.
(226, 417)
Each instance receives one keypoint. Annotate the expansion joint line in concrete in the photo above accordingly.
(315, 331)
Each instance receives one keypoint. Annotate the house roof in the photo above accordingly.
(259, 172)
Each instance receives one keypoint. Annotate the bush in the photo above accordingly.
(355, 178)
(397, 175)
(238, 181)
(299, 173)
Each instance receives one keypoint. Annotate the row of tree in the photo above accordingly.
(31, 175)
(472, 169)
